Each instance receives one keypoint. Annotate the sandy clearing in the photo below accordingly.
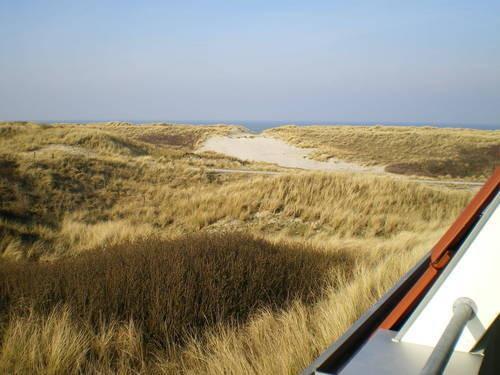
(276, 151)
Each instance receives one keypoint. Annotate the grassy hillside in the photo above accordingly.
(422, 151)
(122, 253)
(61, 185)
(61, 318)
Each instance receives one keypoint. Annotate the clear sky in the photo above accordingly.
(348, 61)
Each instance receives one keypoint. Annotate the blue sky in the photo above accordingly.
(348, 61)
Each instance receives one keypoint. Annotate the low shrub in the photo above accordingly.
(172, 288)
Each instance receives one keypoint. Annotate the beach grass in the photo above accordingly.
(122, 253)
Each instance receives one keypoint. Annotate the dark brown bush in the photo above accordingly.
(171, 287)
(183, 140)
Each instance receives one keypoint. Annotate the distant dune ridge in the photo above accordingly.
(421, 151)
(123, 251)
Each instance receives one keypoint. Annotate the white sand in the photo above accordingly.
(271, 150)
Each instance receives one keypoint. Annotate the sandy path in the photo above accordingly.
(271, 150)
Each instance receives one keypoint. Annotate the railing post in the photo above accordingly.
(463, 311)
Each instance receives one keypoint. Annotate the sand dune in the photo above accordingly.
(271, 150)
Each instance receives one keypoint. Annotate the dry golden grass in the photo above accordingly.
(46, 206)
(286, 342)
(67, 190)
(282, 341)
(172, 289)
(425, 151)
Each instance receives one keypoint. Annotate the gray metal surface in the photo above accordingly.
(463, 311)
(381, 355)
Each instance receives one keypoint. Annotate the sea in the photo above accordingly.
(261, 125)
